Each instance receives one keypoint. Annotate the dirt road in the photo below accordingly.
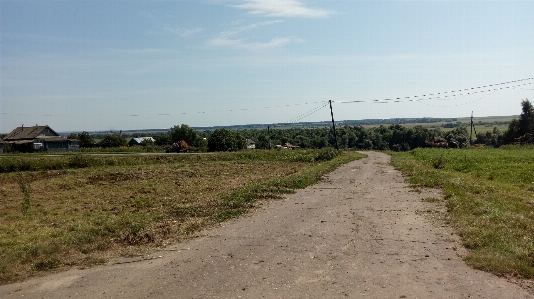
(361, 233)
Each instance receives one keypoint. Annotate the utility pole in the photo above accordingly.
(269, 134)
(471, 136)
(333, 123)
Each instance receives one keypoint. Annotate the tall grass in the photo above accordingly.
(490, 197)
(126, 149)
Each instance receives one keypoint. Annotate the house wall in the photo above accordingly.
(1, 148)
(66, 145)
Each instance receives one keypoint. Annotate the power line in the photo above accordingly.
(306, 114)
(443, 95)
(446, 95)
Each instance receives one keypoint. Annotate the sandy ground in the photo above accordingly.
(361, 233)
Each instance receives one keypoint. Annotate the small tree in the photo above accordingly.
(522, 128)
(86, 140)
(526, 119)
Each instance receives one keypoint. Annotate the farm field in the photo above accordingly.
(482, 124)
(78, 210)
(489, 194)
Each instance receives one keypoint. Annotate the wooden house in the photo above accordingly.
(39, 138)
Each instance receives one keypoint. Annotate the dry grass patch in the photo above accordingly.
(81, 217)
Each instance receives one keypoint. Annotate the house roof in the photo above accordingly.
(22, 133)
(250, 141)
(141, 139)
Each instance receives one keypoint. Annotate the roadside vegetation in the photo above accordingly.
(78, 211)
(489, 194)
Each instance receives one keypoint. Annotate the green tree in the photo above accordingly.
(86, 140)
(162, 138)
(523, 128)
(459, 135)
(112, 140)
(184, 132)
(223, 140)
(526, 119)
(147, 142)
(513, 132)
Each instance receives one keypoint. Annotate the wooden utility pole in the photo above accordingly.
(471, 136)
(269, 134)
(333, 123)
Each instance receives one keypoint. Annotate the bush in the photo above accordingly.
(326, 154)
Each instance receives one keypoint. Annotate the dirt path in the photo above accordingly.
(359, 234)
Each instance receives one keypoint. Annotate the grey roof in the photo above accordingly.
(141, 139)
(22, 133)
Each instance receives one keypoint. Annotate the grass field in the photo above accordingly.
(482, 124)
(490, 198)
(66, 211)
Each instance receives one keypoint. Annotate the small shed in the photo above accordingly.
(139, 140)
(251, 144)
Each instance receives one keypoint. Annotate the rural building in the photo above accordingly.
(1, 146)
(39, 138)
(251, 143)
(139, 140)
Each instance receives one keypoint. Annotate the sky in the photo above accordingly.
(87, 65)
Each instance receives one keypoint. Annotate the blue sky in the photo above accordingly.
(118, 65)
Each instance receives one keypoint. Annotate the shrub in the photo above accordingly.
(326, 154)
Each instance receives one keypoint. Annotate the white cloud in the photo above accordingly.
(184, 32)
(282, 8)
(229, 38)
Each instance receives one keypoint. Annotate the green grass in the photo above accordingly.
(490, 198)
(85, 213)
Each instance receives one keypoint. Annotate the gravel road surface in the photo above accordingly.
(360, 233)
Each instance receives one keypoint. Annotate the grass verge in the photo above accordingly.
(82, 216)
(490, 198)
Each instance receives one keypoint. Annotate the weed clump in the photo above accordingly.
(439, 163)
(25, 189)
(327, 154)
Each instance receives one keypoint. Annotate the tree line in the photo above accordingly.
(384, 137)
